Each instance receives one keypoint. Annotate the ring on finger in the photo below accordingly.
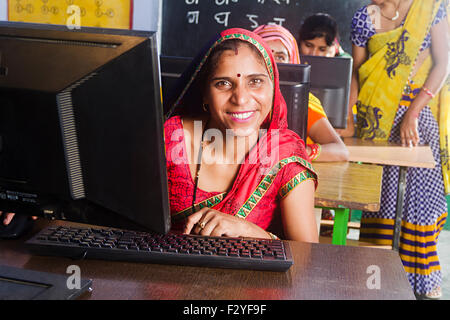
(201, 225)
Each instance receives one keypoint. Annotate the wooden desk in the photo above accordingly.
(387, 153)
(320, 271)
(344, 186)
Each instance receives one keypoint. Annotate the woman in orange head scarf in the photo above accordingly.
(324, 144)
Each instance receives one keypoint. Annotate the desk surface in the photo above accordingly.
(349, 185)
(387, 153)
(320, 271)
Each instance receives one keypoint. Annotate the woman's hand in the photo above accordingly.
(409, 133)
(210, 222)
(9, 216)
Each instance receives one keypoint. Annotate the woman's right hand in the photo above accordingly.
(7, 217)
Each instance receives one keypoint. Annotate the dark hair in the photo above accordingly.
(317, 26)
(192, 101)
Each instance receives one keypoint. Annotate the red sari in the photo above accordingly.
(262, 181)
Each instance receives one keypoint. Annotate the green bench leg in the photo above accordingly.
(340, 226)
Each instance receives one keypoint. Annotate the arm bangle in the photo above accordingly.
(428, 91)
(315, 151)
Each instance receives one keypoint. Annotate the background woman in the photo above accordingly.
(400, 52)
(319, 36)
(321, 134)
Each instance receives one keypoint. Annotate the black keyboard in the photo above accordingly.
(179, 249)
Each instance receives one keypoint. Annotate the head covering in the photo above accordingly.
(252, 193)
(277, 32)
(278, 115)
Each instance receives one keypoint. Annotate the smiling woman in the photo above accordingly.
(232, 89)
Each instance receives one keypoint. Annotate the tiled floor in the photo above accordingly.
(443, 249)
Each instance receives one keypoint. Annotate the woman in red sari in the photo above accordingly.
(234, 169)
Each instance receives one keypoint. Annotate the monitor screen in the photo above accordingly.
(171, 70)
(294, 85)
(81, 126)
(330, 83)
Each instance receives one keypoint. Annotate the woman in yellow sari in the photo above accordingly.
(400, 51)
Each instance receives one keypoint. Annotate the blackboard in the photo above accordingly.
(187, 25)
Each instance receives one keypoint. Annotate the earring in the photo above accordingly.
(205, 107)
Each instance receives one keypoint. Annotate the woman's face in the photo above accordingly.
(239, 92)
(316, 47)
(279, 51)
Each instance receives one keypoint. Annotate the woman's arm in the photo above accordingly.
(298, 217)
(332, 147)
(297, 209)
(434, 82)
(360, 56)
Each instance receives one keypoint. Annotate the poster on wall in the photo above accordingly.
(74, 13)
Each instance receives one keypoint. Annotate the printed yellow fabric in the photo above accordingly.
(383, 77)
(444, 127)
(444, 124)
(100, 13)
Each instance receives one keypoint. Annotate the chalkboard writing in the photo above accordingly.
(188, 24)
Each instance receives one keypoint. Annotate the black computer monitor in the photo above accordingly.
(171, 70)
(330, 83)
(81, 126)
(294, 85)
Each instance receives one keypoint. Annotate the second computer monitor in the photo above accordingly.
(294, 85)
(330, 83)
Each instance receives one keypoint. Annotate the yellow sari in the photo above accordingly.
(383, 77)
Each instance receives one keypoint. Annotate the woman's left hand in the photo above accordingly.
(210, 222)
(408, 129)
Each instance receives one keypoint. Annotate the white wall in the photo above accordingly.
(3, 11)
(146, 14)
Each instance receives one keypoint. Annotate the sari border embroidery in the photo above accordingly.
(210, 202)
(265, 184)
(295, 181)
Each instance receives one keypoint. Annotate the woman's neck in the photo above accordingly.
(224, 146)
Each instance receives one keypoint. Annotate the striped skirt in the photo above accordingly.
(424, 208)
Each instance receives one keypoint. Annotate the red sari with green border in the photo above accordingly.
(259, 185)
